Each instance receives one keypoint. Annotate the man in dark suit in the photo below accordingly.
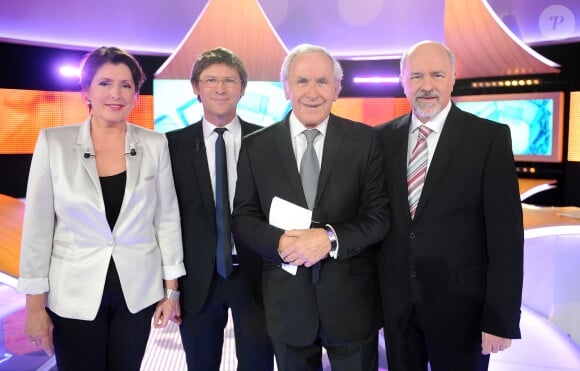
(451, 270)
(219, 79)
(332, 299)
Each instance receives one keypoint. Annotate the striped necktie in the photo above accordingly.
(417, 169)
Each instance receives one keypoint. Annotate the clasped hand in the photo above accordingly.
(304, 246)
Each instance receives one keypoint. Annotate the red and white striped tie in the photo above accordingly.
(417, 169)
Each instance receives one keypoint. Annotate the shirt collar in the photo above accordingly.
(234, 127)
(435, 124)
(296, 127)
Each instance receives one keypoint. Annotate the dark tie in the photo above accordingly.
(309, 168)
(222, 208)
(417, 169)
(309, 171)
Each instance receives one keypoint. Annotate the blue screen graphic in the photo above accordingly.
(530, 122)
(175, 105)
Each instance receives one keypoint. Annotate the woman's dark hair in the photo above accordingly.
(98, 57)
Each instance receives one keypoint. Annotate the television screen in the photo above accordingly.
(535, 121)
(175, 105)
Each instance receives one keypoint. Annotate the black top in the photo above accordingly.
(113, 191)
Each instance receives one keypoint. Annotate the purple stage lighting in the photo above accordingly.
(70, 71)
(376, 80)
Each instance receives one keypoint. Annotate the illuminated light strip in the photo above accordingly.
(374, 57)
(559, 230)
(8, 280)
(574, 128)
(537, 189)
(376, 80)
(506, 83)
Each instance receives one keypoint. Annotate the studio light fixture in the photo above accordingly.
(375, 80)
(505, 83)
(70, 71)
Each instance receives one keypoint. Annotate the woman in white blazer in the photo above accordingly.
(101, 243)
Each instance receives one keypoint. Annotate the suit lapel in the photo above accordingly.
(332, 143)
(198, 158)
(133, 164)
(247, 128)
(448, 140)
(85, 145)
(288, 159)
(400, 145)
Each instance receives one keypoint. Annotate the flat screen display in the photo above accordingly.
(535, 121)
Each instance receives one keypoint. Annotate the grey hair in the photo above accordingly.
(309, 48)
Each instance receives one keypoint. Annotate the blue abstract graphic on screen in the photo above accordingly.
(530, 122)
(175, 105)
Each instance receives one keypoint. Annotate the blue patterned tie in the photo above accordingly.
(222, 208)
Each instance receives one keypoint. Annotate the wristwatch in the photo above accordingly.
(172, 294)
(333, 240)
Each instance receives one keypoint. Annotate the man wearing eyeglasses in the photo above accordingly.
(220, 276)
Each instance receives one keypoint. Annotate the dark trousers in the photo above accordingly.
(202, 334)
(357, 356)
(114, 341)
(413, 350)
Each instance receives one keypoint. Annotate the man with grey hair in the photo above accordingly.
(320, 283)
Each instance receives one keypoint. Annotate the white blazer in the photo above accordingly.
(66, 240)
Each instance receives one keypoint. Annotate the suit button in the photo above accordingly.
(110, 243)
(412, 235)
(413, 274)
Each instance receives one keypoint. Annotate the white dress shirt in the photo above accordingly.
(233, 140)
(299, 140)
(436, 126)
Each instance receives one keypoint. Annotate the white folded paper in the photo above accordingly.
(286, 215)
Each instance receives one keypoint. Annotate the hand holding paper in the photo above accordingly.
(286, 215)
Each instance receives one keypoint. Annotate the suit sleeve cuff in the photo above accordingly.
(331, 233)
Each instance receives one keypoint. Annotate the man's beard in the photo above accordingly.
(426, 110)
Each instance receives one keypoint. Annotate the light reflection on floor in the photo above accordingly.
(543, 347)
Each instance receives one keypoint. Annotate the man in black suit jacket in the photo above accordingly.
(332, 301)
(451, 277)
(219, 79)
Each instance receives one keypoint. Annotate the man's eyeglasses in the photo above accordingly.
(212, 82)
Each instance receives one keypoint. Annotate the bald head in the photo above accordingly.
(428, 47)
